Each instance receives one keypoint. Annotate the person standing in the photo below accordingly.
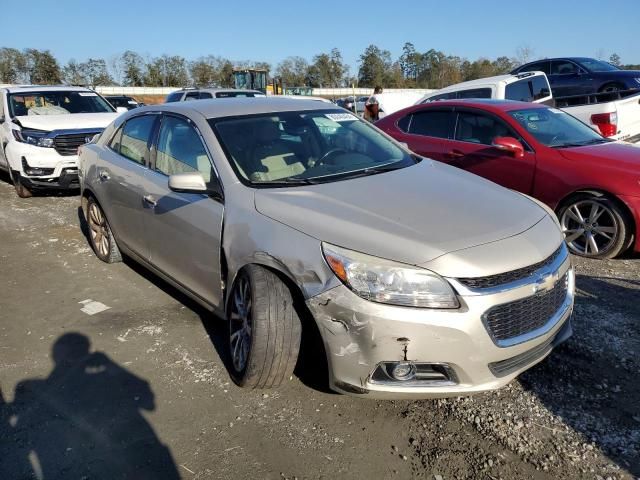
(372, 106)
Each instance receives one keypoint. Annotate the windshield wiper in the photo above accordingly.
(290, 181)
(593, 141)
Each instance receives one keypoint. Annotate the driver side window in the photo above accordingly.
(563, 67)
(481, 129)
(180, 149)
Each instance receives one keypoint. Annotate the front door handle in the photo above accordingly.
(455, 154)
(104, 175)
(149, 200)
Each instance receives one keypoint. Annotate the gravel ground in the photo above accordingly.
(168, 409)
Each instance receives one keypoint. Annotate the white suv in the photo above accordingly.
(41, 128)
(187, 94)
(523, 87)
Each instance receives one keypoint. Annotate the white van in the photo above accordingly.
(524, 87)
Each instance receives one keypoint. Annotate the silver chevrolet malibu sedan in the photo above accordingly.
(424, 280)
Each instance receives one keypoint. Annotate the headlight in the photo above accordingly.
(384, 281)
(33, 137)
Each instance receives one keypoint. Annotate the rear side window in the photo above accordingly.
(205, 95)
(436, 123)
(536, 67)
(520, 91)
(136, 133)
(174, 97)
(475, 93)
(442, 96)
(479, 128)
(234, 94)
(403, 123)
(191, 96)
(563, 67)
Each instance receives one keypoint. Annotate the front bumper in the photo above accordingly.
(67, 179)
(359, 335)
(62, 171)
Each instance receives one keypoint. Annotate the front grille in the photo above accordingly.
(67, 144)
(512, 276)
(510, 320)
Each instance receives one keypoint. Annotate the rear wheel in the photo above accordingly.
(100, 235)
(264, 329)
(594, 226)
(611, 88)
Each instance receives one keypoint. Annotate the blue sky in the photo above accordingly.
(270, 31)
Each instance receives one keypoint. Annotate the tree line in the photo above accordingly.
(413, 69)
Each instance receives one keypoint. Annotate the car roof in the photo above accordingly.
(228, 107)
(46, 88)
(215, 90)
(486, 81)
(484, 103)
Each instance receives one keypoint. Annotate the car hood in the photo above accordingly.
(72, 121)
(411, 215)
(620, 155)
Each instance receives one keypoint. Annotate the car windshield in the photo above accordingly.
(594, 65)
(56, 103)
(555, 128)
(287, 148)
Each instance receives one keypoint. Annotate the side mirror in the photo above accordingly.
(121, 110)
(193, 182)
(509, 145)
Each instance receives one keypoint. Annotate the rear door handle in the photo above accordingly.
(455, 154)
(104, 175)
(149, 200)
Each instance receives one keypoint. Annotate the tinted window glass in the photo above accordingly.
(442, 96)
(433, 124)
(234, 94)
(174, 97)
(479, 128)
(520, 91)
(180, 149)
(403, 123)
(114, 144)
(135, 138)
(191, 96)
(536, 67)
(562, 67)
(475, 93)
(597, 66)
(205, 95)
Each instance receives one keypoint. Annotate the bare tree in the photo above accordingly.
(524, 54)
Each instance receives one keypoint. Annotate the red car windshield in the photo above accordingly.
(554, 128)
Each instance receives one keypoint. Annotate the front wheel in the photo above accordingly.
(264, 329)
(595, 227)
(21, 189)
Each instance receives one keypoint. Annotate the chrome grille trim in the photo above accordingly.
(520, 321)
(492, 281)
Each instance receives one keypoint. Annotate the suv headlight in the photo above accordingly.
(384, 281)
(33, 137)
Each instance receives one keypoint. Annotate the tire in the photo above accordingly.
(21, 190)
(264, 329)
(595, 226)
(611, 88)
(100, 235)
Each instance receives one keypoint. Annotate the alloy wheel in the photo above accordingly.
(240, 325)
(590, 227)
(99, 230)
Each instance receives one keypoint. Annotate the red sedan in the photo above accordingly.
(592, 183)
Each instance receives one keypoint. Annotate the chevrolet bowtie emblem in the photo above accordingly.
(545, 283)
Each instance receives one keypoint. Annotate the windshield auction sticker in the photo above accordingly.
(341, 117)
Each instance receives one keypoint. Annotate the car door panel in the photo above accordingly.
(121, 179)
(184, 229)
(472, 150)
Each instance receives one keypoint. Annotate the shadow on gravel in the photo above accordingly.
(83, 421)
(591, 382)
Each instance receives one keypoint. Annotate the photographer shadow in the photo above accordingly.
(83, 421)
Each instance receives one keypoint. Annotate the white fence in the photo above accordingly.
(325, 92)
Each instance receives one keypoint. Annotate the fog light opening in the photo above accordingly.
(403, 371)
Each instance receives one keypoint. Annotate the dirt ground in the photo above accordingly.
(108, 372)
